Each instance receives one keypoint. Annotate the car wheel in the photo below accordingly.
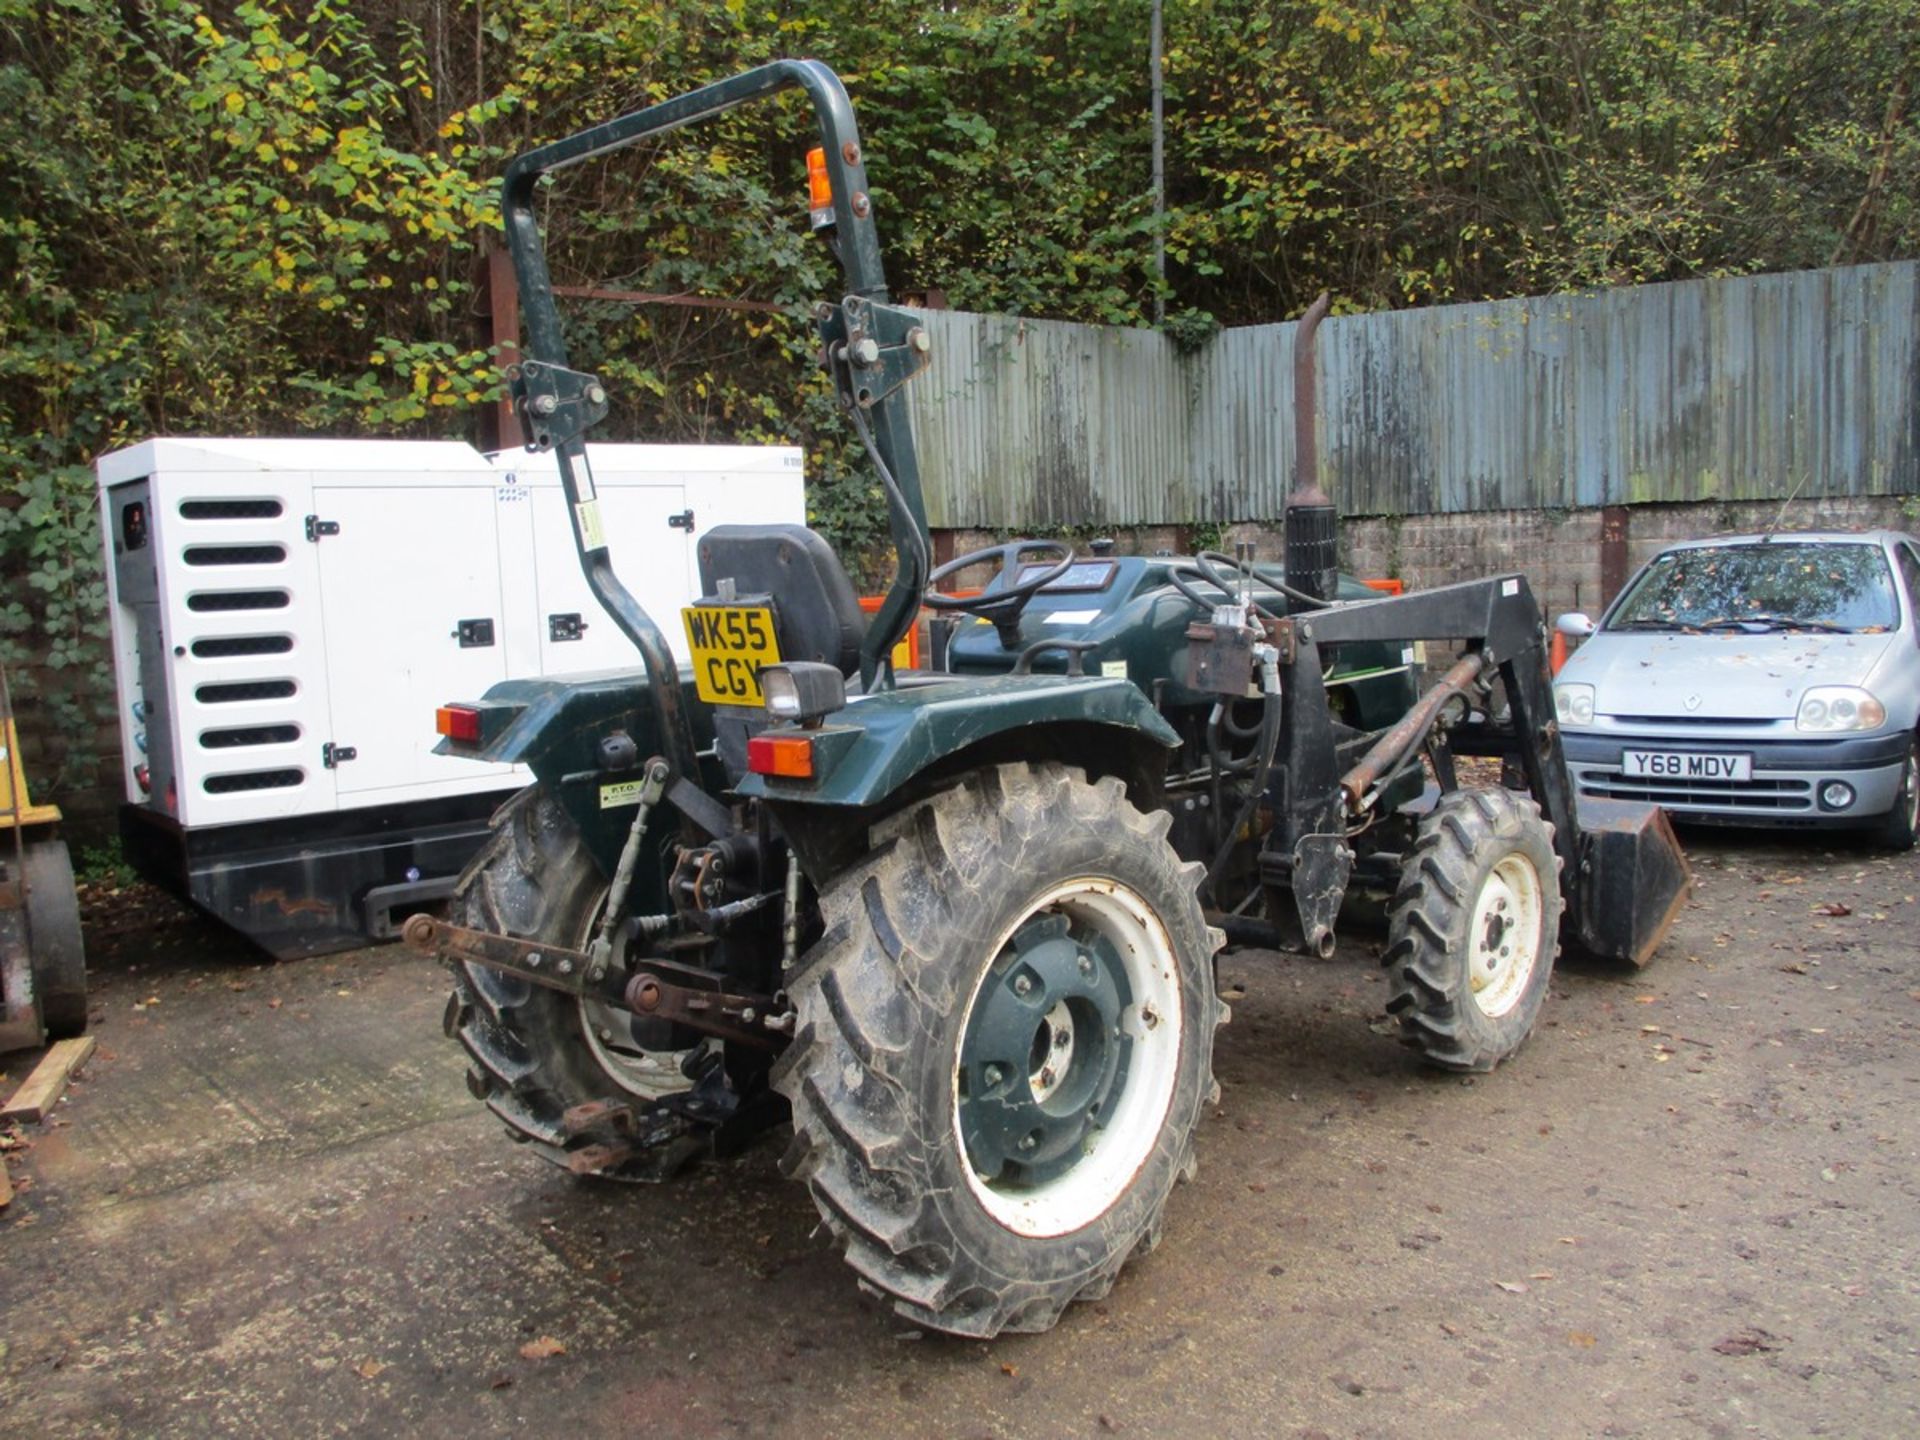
(1899, 825)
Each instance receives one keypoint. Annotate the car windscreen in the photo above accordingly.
(1778, 585)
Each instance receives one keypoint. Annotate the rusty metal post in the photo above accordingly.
(503, 314)
(1614, 525)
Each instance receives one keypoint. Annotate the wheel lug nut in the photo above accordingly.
(1086, 966)
(1027, 1142)
(1022, 985)
(994, 1075)
(1060, 1039)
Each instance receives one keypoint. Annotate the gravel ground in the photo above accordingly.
(1687, 1208)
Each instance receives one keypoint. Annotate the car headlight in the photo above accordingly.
(1839, 707)
(1573, 704)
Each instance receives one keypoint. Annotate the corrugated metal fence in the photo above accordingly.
(1714, 389)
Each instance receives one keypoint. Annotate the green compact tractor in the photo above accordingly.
(959, 926)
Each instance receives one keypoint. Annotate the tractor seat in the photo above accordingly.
(816, 614)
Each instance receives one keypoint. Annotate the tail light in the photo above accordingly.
(460, 723)
(787, 756)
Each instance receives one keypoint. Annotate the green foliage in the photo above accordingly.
(104, 864)
(266, 217)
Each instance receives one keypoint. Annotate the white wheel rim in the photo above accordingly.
(649, 1074)
(1154, 1023)
(1503, 942)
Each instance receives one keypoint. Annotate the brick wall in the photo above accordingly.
(1557, 550)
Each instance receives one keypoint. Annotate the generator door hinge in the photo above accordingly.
(332, 756)
(316, 527)
(682, 521)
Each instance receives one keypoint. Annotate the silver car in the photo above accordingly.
(1757, 679)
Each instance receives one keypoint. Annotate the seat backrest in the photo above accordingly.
(817, 615)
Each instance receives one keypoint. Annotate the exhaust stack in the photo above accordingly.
(1312, 522)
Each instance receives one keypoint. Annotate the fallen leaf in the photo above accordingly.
(1541, 1275)
(500, 1382)
(273, 1004)
(1012, 1372)
(1512, 1287)
(1833, 907)
(542, 1348)
(1645, 999)
(1795, 969)
(1582, 1339)
(368, 1368)
(1747, 1342)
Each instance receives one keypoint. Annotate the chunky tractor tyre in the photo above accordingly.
(1898, 827)
(536, 1052)
(1473, 929)
(1004, 1047)
(59, 956)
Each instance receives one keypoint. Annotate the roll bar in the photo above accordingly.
(559, 404)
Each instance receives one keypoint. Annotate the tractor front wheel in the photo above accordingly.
(1004, 1049)
(1473, 929)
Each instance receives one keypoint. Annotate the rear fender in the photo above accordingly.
(554, 725)
(890, 749)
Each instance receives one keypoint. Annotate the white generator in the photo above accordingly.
(287, 614)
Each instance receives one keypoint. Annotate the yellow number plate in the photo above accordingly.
(730, 643)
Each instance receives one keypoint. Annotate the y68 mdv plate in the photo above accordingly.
(1685, 765)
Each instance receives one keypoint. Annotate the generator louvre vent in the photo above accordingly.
(230, 509)
(223, 647)
(205, 600)
(252, 780)
(229, 691)
(248, 735)
(234, 554)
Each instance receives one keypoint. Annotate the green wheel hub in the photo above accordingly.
(1044, 1052)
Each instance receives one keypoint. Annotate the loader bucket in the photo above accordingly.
(1633, 879)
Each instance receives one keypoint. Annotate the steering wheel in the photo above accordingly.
(1002, 606)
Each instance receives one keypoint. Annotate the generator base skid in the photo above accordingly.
(318, 883)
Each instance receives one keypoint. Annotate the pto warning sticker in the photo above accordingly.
(1113, 669)
(587, 514)
(626, 792)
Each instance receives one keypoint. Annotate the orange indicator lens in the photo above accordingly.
(790, 756)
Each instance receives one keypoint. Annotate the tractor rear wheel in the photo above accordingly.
(1004, 1048)
(1473, 929)
(537, 1052)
